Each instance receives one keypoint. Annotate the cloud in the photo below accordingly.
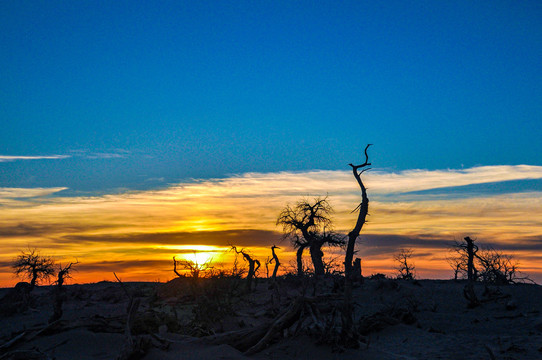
(242, 209)
(30, 229)
(105, 156)
(418, 180)
(6, 158)
(242, 238)
(110, 154)
(13, 193)
(155, 179)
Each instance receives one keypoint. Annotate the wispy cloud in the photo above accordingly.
(6, 158)
(108, 154)
(417, 180)
(243, 209)
(11, 193)
(105, 156)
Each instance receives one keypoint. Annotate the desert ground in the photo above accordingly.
(219, 318)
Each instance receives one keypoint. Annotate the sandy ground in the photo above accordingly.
(426, 319)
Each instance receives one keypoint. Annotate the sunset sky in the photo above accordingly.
(133, 131)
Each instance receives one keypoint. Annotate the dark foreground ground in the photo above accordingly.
(219, 319)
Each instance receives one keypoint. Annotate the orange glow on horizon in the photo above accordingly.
(137, 233)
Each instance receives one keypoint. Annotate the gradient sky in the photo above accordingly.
(124, 110)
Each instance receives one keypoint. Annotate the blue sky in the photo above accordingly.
(132, 131)
(139, 94)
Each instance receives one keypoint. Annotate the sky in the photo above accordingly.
(134, 131)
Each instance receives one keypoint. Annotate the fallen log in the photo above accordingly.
(284, 321)
(242, 340)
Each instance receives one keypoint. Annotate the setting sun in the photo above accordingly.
(199, 257)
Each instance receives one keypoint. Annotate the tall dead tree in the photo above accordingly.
(305, 225)
(471, 250)
(253, 265)
(348, 335)
(363, 208)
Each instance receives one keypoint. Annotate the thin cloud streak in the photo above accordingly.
(6, 158)
(243, 210)
(12, 193)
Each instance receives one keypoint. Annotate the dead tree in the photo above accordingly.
(458, 264)
(471, 250)
(459, 260)
(405, 267)
(58, 290)
(305, 225)
(356, 271)
(490, 266)
(175, 267)
(193, 267)
(253, 265)
(277, 262)
(299, 256)
(30, 264)
(498, 268)
(348, 335)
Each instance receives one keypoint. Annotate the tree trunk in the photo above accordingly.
(316, 257)
(299, 255)
(469, 290)
(356, 271)
(277, 263)
(250, 274)
(34, 279)
(349, 337)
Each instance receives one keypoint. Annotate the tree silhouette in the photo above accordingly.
(405, 266)
(31, 265)
(496, 267)
(348, 334)
(275, 258)
(489, 265)
(468, 250)
(253, 265)
(308, 224)
(58, 290)
(193, 267)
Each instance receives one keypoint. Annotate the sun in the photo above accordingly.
(199, 257)
(199, 254)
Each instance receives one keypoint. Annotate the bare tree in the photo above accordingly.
(489, 265)
(253, 265)
(405, 267)
(467, 252)
(499, 268)
(457, 263)
(348, 335)
(58, 290)
(193, 267)
(275, 259)
(307, 224)
(459, 259)
(237, 270)
(31, 265)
